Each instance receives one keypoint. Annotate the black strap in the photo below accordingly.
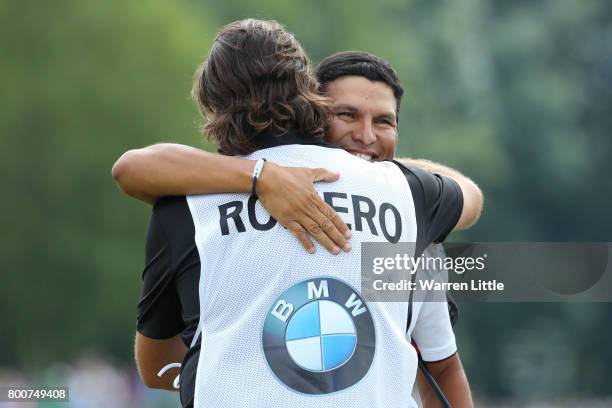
(432, 382)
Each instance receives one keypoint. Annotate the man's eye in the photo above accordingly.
(386, 122)
(345, 114)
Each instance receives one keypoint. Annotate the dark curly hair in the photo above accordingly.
(257, 78)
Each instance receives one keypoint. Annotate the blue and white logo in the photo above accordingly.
(319, 337)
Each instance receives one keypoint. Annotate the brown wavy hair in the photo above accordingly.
(257, 78)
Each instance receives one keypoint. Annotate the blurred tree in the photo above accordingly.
(82, 82)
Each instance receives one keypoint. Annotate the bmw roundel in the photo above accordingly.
(318, 336)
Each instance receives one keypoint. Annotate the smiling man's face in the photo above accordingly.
(363, 119)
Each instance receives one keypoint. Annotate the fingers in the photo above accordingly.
(297, 206)
(326, 226)
(329, 226)
(300, 233)
(315, 224)
(324, 175)
(340, 226)
(329, 214)
(321, 236)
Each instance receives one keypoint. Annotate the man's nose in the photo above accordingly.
(364, 132)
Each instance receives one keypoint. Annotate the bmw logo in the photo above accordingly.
(318, 336)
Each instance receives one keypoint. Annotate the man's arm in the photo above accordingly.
(472, 196)
(162, 310)
(172, 169)
(153, 354)
(450, 376)
(287, 193)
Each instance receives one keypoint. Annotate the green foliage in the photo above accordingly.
(83, 82)
(515, 94)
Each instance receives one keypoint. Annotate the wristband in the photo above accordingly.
(256, 172)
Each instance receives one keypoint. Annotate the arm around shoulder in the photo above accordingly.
(472, 202)
(472, 196)
(176, 170)
(173, 169)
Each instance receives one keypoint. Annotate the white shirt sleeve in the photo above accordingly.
(433, 332)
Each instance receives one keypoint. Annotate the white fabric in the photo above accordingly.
(431, 328)
(243, 273)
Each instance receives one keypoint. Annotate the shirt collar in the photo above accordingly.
(267, 139)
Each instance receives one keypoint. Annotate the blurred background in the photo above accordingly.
(516, 94)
